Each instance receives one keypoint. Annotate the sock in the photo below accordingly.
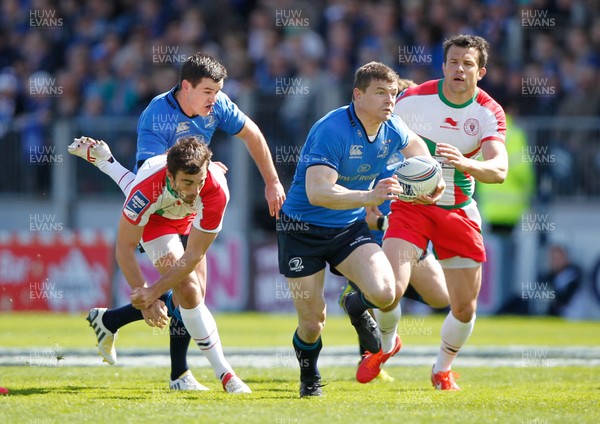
(113, 319)
(179, 342)
(454, 335)
(388, 324)
(356, 304)
(307, 355)
(120, 175)
(202, 327)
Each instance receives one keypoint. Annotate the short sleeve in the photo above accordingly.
(231, 118)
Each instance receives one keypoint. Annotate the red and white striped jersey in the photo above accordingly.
(429, 114)
(153, 199)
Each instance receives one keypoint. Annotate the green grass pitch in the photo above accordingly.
(504, 394)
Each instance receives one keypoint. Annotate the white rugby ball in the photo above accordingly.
(418, 175)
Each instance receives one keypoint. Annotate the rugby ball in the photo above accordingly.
(418, 175)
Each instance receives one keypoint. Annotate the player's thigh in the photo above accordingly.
(463, 288)
(164, 252)
(368, 268)
(428, 280)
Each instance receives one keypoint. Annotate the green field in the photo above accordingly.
(59, 394)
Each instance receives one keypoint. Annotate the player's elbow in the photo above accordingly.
(315, 197)
(124, 253)
(500, 176)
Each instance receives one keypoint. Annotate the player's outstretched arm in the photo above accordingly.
(259, 150)
(198, 243)
(128, 237)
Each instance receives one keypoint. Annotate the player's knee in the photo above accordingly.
(384, 296)
(313, 327)
(438, 303)
(464, 313)
(437, 300)
(188, 293)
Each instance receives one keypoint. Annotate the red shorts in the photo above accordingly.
(453, 232)
(158, 226)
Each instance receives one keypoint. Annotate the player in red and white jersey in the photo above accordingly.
(156, 205)
(178, 193)
(459, 122)
(467, 127)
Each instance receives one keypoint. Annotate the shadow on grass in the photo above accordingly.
(45, 390)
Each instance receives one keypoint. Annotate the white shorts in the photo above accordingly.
(162, 246)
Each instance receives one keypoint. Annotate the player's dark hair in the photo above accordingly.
(189, 155)
(468, 41)
(373, 71)
(201, 66)
(404, 83)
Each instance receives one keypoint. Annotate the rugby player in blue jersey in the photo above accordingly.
(323, 218)
(427, 283)
(195, 107)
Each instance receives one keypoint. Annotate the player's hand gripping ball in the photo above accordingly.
(418, 175)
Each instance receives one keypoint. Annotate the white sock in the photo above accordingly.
(454, 335)
(388, 324)
(120, 175)
(202, 327)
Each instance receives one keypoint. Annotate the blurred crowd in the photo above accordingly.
(295, 58)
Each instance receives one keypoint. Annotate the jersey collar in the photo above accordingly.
(357, 125)
(172, 101)
(170, 189)
(449, 103)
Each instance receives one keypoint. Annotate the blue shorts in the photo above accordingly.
(305, 249)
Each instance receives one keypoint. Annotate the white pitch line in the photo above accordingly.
(280, 356)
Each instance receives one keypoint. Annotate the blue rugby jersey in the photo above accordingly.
(163, 122)
(392, 164)
(339, 140)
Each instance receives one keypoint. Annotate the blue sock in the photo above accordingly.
(179, 338)
(307, 355)
(356, 304)
(178, 347)
(114, 319)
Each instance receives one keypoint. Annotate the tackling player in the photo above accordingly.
(178, 193)
(196, 106)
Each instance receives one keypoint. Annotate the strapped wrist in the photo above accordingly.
(382, 223)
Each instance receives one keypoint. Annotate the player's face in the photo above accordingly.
(188, 186)
(200, 100)
(461, 73)
(378, 100)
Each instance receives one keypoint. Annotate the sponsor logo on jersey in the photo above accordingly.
(384, 149)
(136, 205)
(182, 127)
(450, 124)
(365, 167)
(130, 214)
(356, 151)
(471, 126)
(295, 264)
(209, 121)
(451, 121)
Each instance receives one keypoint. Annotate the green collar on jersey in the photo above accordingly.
(170, 189)
(448, 102)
